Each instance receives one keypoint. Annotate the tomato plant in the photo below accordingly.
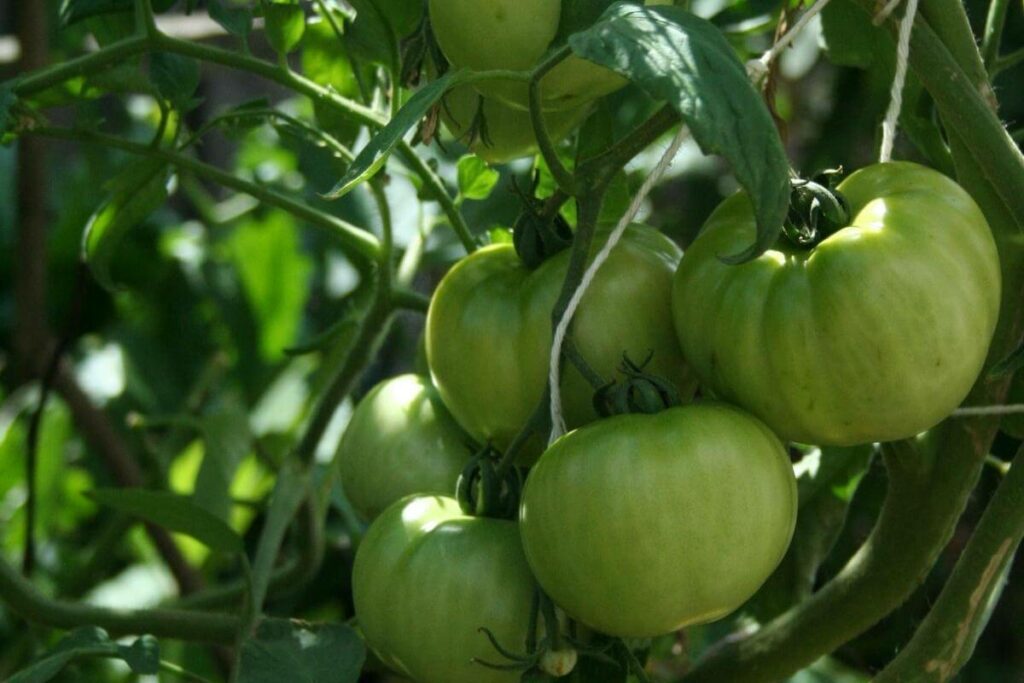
(875, 333)
(427, 578)
(400, 441)
(489, 331)
(639, 525)
(235, 227)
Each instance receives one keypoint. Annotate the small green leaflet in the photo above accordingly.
(175, 77)
(285, 26)
(227, 441)
(372, 157)
(299, 652)
(136, 193)
(476, 178)
(142, 656)
(173, 512)
(1008, 365)
(684, 60)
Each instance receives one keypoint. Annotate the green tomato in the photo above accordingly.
(401, 440)
(495, 34)
(509, 131)
(576, 81)
(875, 334)
(1014, 424)
(639, 525)
(427, 578)
(489, 331)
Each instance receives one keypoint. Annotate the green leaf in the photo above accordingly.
(476, 178)
(175, 77)
(372, 157)
(370, 36)
(849, 36)
(684, 60)
(227, 442)
(285, 26)
(826, 482)
(135, 194)
(143, 656)
(301, 653)
(290, 490)
(275, 272)
(173, 512)
(235, 20)
(578, 15)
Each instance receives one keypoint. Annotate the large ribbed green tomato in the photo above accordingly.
(400, 440)
(427, 578)
(875, 334)
(489, 331)
(639, 525)
(509, 131)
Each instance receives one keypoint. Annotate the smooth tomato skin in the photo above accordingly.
(495, 34)
(639, 525)
(509, 131)
(400, 440)
(875, 334)
(427, 578)
(489, 331)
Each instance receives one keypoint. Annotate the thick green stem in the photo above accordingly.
(995, 22)
(115, 53)
(22, 598)
(563, 178)
(945, 640)
(358, 243)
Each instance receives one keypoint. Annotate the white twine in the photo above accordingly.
(758, 68)
(892, 117)
(554, 371)
(982, 411)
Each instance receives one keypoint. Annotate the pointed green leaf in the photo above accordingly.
(227, 442)
(136, 193)
(142, 656)
(476, 178)
(299, 652)
(372, 158)
(285, 26)
(235, 20)
(176, 78)
(684, 60)
(173, 512)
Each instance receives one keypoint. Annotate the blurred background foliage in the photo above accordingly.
(189, 355)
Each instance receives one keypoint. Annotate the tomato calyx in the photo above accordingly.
(553, 656)
(483, 492)
(639, 392)
(816, 209)
(536, 235)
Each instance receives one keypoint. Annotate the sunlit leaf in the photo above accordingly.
(476, 178)
(137, 192)
(173, 512)
(684, 60)
(285, 26)
(372, 158)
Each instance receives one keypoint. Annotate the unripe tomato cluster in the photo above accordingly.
(637, 525)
